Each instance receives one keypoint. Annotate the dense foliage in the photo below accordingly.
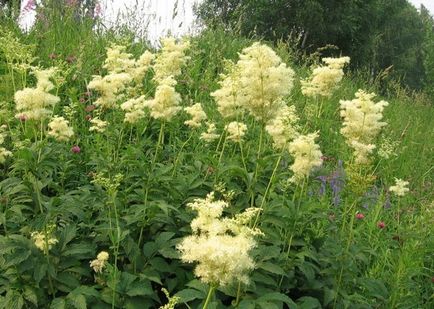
(107, 165)
(377, 34)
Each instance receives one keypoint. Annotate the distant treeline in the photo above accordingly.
(376, 34)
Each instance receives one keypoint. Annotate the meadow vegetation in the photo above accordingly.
(214, 171)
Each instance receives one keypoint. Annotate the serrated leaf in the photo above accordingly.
(272, 268)
(307, 302)
(77, 300)
(278, 297)
(187, 295)
(58, 303)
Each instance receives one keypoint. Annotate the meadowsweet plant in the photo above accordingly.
(362, 123)
(284, 127)
(325, 79)
(236, 131)
(165, 104)
(98, 125)
(307, 156)
(197, 115)
(210, 134)
(220, 246)
(100, 262)
(37, 103)
(228, 96)
(264, 81)
(59, 129)
(400, 188)
(134, 109)
(44, 241)
(171, 58)
(4, 153)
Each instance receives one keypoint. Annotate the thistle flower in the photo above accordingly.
(400, 187)
(134, 109)
(170, 59)
(36, 103)
(98, 125)
(99, 263)
(197, 114)
(210, 134)
(220, 247)
(165, 104)
(236, 131)
(284, 127)
(42, 243)
(307, 156)
(324, 79)
(362, 123)
(59, 129)
(265, 81)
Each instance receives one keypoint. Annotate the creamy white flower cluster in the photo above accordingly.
(36, 103)
(307, 156)
(99, 263)
(219, 246)
(400, 187)
(257, 83)
(60, 129)
(283, 128)
(197, 115)
(362, 123)
(167, 67)
(4, 153)
(122, 69)
(325, 79)
(42, 242)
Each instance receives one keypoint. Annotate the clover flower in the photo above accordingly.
(307, 156)
(236, 131)
(400, 187)
(99, 263)
(283, 128)
(219, 246)
(362, 123)
(59, 129)
(134, 109)
(197, 114)
(210, 134)
(264, 79)
(36, 103)
(324, 79)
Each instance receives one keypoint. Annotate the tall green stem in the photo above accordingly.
(209, 296)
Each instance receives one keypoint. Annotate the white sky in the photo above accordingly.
(429, 4)
(157, 14)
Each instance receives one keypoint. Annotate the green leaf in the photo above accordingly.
(77, 300)
(307, 302)
(30, 295)
(163, 238)
(13, 300)
(272, 268)
(140, 288)
(58, 303)
(278, 297)
(187, 295)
